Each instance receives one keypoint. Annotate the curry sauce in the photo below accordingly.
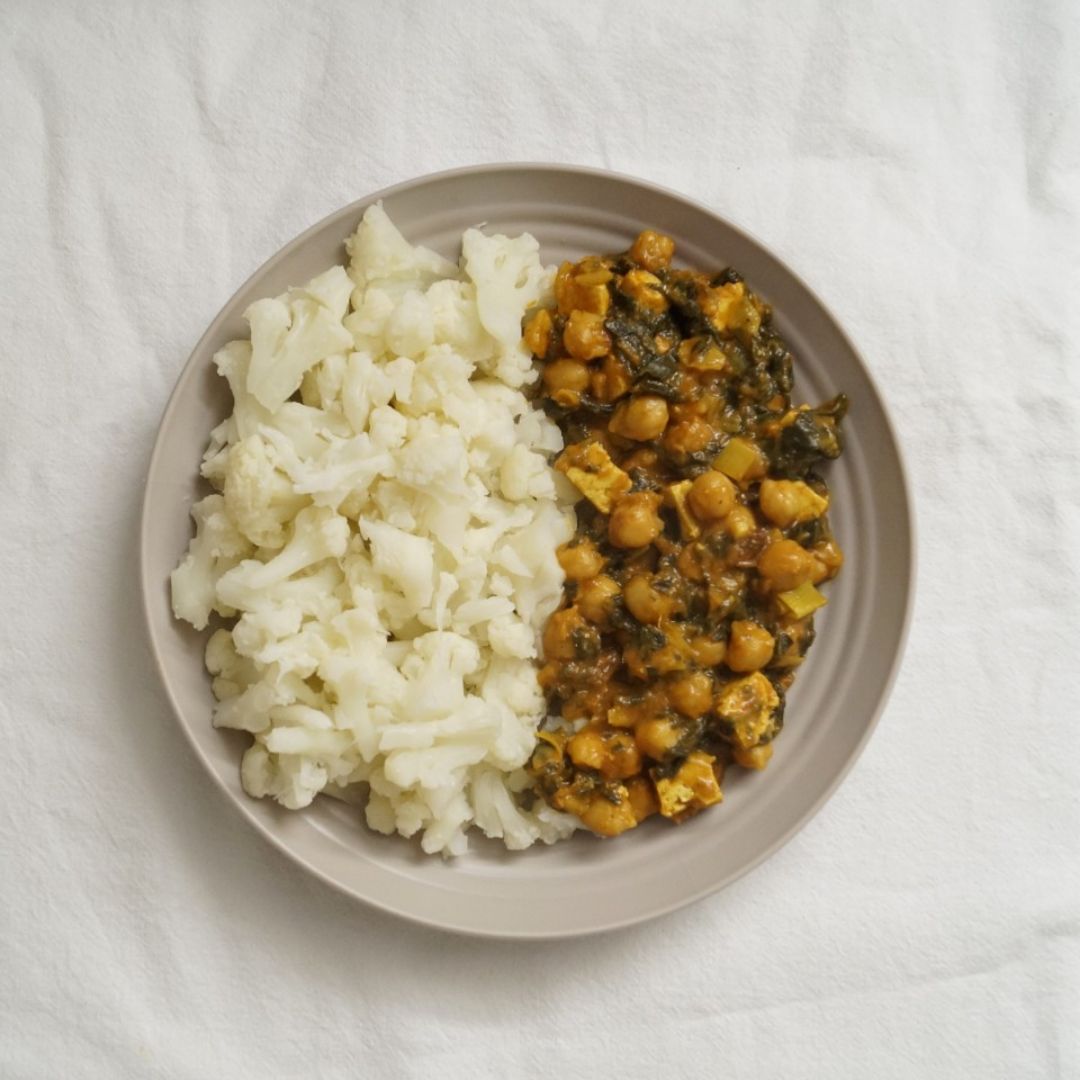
(702, 534)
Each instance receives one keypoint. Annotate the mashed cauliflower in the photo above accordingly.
(381, 540)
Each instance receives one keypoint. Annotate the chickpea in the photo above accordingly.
(560, 633)
(656, 737)
(642, 798)
(642, 418)
(596, 598)
(643, 458)
(652, 250)
(589, 286)
(750, 646)
(784, 564)
(623, 756)
(634, 522)
(644, 289)
(757, 757)
(591, 272)
(585, 337)
(707, 651)
(668, 658)
(739, 522)
(580, 561)
(537, 334)
(689, 563)
(566, 374)
(565, 291)
(691, 694)
(828, 559)
(645, 602)
(688, 436)
(607, 818)
(712, 496)
(587, 749)
(611, 381)
(787, 502)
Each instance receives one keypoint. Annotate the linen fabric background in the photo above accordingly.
(917, 163)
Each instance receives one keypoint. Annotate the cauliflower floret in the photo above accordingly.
(408, 561)
(233, 362)
(372, 308)
(365, 386)
(232, 672)
(256, 631)
(435, 458)
(436, 669)
(524, 474)
(434, 767)
(441, 373)
(216, 549)
(378, 250)
(216, 457)
(410, 330)
(388, 428)
(456, 322)
(258, 496)
(510, 637)
(250, 709)
(293, 780)
(288, 336)
(497, 814)
(317, 534)
(330, 289)
(344, 467)
(288, 739)
(400, 372)
(298, 654)
(321, 386)
(509, 278)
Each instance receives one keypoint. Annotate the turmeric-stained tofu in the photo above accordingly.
(730, 308)
(691, 789)
(751, 707)
(690, 529)
(590, 469)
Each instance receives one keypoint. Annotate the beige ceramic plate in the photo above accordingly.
(583, 885)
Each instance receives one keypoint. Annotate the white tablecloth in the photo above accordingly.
(919, 163)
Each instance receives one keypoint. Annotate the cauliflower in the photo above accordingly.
(217, 547)
(317, 534)
(331, 289)
(259, 498)
(321, 385)
(288, 336)
(509, 278)
(456, 322)
(408, 561)
(497, 814)
(377, 250)
(410, 329)
(345, 467)
(385, 541)
(233, 362)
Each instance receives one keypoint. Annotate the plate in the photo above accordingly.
(583, 885)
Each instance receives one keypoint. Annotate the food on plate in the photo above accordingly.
(494, 548)
(702, 534)
(379, 550)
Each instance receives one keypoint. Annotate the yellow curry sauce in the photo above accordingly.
(702, 536)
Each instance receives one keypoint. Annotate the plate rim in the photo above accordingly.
(147, 587)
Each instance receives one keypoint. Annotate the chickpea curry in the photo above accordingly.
(702, 536)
